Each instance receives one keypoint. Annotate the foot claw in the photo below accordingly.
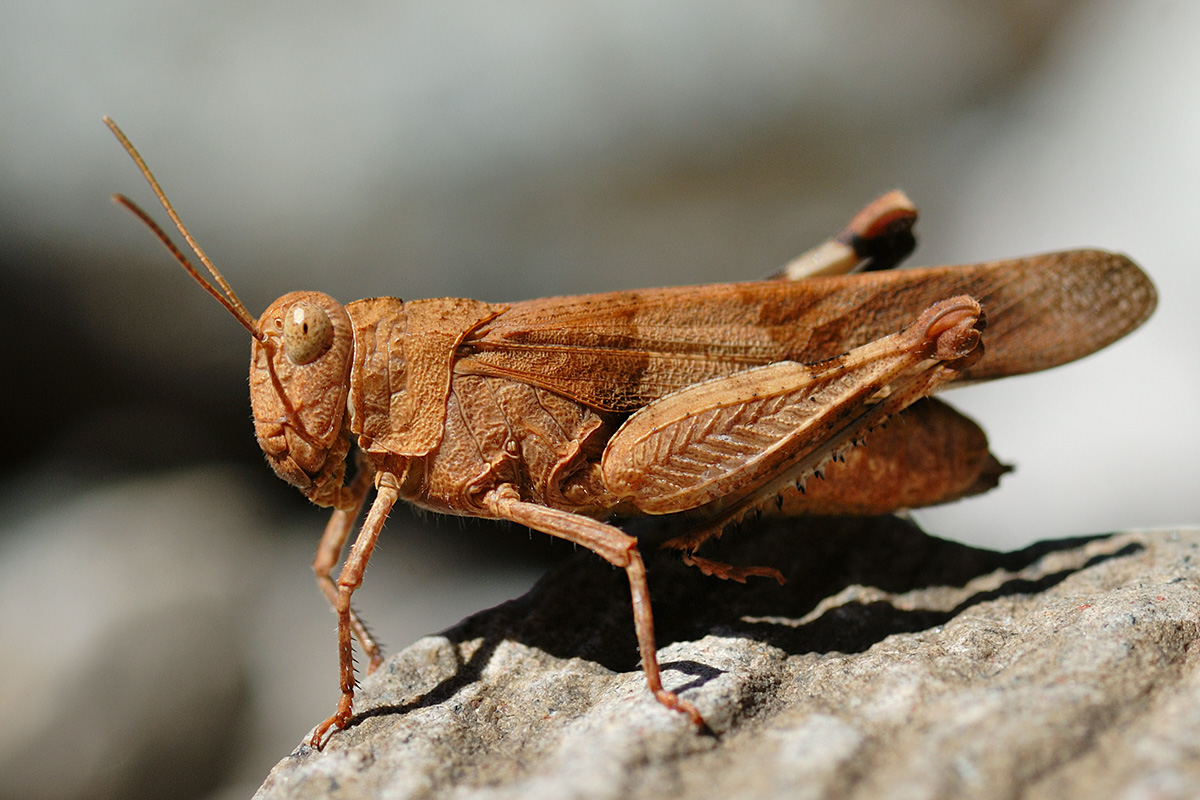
(675, 703)
(337, 722)
(316, 742)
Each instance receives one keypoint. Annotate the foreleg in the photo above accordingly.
(329, 551)
(350, 578)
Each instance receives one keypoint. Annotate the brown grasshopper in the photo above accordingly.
(564, 412)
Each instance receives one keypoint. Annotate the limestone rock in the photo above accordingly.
(892, 664)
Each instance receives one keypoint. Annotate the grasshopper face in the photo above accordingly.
(299, 380)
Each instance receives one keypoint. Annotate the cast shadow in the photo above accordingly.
(581, 608)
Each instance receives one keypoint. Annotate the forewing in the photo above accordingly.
(619, 351)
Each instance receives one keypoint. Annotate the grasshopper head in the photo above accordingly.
(299, 380)
(299, 366)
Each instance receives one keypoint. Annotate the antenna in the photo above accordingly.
(229, 299)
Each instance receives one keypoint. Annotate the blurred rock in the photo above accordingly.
(163, 636)
(891, 665)
(121, 662)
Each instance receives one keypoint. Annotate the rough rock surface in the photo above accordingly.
(892, 664)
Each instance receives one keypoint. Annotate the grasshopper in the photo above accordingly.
(562, 413)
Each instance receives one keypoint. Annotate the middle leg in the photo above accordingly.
(615, 547)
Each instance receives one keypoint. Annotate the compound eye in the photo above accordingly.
(307, 332)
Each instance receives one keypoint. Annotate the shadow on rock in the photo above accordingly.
(582, 607)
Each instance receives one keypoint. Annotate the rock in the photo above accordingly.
(121, 654)
(892, 664)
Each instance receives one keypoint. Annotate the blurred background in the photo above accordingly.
(160, 633)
